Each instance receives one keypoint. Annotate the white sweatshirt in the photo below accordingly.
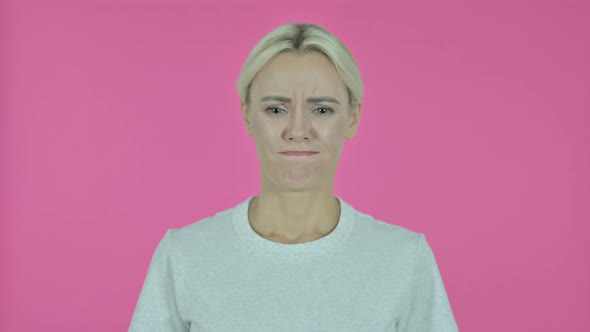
(218, 274)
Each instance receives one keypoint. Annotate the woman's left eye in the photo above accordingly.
(328, 110)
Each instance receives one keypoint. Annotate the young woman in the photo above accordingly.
(295, 257)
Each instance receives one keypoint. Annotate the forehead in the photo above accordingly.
(307, 74)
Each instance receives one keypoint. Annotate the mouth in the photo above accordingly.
(299, 153)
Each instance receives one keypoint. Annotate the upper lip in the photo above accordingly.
(299, 151)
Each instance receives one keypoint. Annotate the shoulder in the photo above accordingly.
(206, 233)
(391, 235)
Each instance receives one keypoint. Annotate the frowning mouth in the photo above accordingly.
(299, 153)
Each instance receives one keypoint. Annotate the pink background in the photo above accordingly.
(120, 119)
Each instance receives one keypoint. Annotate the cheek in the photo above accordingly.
(266, 135)
(267, 131)
(334, 135)
(260, 128)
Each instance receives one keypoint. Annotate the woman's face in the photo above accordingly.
(299, 102)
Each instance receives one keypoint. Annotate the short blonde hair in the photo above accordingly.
(302, 38)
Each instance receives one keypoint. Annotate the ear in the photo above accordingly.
(244, 108)
(355, 118)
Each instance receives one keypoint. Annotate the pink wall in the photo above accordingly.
(120, 119)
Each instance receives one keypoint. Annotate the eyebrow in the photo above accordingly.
(321, 99)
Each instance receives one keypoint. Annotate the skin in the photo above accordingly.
(296, 202)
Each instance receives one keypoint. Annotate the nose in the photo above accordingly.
(299, 125)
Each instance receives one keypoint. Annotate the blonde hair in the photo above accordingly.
(302, 38)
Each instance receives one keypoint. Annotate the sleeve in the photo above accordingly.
(156, 308)
(429, 308)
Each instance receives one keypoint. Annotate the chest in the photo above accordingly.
(300, 296)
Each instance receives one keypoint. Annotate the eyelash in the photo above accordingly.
(330, 110)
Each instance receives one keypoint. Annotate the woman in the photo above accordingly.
(295, 257)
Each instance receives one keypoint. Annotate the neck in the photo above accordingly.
(294, 216)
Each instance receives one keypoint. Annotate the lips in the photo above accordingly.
(299, 153)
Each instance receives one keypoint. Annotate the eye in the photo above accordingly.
(271, 109)
(329, 110)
